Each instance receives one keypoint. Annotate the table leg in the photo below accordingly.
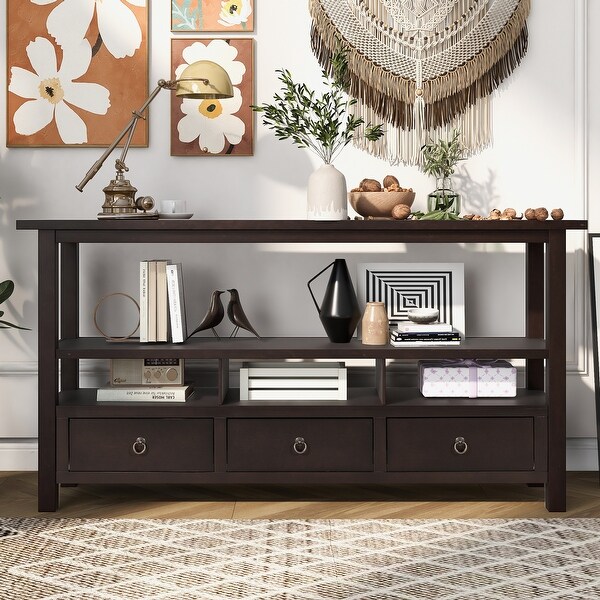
(556, 372)
(47, 369)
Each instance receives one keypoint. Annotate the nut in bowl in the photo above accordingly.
(423, 315)
(379, 204)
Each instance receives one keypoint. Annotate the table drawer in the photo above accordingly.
(300, 444)
(490, 444)
(140, 445)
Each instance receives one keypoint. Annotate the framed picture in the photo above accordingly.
(402, 286)
(212, 15)
(75, 76)
(214, 127)
(594, 265)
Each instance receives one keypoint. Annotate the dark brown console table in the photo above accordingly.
(381, 435)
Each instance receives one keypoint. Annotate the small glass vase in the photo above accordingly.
(444, 198)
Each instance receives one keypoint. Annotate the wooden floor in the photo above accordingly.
(18, 499)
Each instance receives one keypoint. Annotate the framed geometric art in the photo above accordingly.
(212, 15)
(214, 127)
(402, 286)
(76, 70)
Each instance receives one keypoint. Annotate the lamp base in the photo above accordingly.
(138, 215)
(120, 201)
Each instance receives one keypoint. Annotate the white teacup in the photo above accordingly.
(172, 206)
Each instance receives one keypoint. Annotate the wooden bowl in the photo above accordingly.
(378, 204)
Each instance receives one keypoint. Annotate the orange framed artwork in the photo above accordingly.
(212, 15)
(214, 127)
(75, 71)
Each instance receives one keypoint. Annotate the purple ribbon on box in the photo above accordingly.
(473, 365)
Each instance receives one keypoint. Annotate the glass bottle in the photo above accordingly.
(443, 197)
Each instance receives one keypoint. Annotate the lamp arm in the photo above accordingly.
(130, 128)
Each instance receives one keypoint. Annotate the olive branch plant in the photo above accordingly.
(440, 158)
(6, 289)
(322, 123)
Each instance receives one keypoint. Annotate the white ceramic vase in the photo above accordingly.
(327, 195)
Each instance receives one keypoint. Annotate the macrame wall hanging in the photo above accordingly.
(422, 67)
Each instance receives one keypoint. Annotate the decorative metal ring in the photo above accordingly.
(139, 446)
(110, 338)
(460, 446)
(300, 446)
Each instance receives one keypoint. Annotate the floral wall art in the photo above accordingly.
(212, 15)
(213, 127)
(76, 70)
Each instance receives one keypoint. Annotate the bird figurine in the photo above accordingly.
(214, 315)
(237, 316)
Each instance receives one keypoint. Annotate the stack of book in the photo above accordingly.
(424, 334)
(162, 302)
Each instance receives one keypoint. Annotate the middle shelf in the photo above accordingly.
(299, 348)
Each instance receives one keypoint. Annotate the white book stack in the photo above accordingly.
(293, 381)
(154, 307)
(424, 334)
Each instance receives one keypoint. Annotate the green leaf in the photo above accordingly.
(8, 325)
(6, 289)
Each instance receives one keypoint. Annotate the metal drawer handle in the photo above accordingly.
(460, 446)
(139, 446)
(300, 446)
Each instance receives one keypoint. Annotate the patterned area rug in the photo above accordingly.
(106, 559)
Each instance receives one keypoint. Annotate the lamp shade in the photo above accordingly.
(204, 79)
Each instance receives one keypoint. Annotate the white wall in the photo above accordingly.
(539, 158)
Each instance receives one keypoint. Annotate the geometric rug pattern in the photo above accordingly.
(107, 559)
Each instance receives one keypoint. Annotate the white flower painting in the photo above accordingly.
(235, 12)
(215, 126)
(118, 27)
(212, 122)
(51, 91)
(76, 70)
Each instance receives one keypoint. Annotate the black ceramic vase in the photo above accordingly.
(339, 311)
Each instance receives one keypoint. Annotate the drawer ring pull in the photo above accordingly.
(460, 446)
(300, 446)
(139, 446)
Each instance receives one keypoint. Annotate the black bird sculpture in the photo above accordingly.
(237, 316)
(214, 315)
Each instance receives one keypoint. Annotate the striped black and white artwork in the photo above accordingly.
(402, 286)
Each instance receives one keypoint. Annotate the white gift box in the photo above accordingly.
(467, 379)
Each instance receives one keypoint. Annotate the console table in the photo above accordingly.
(381, 435)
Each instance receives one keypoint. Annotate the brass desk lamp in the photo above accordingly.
(202, 79)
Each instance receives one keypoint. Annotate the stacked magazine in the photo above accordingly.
(424, 334)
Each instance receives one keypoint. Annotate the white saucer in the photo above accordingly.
(175, 215)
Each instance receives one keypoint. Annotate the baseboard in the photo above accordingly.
(582, 454)
(21, 455)
(18, 455)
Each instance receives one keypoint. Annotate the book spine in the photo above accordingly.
(399, 344)
(152, 301)
(143, 301)
(184, 330)
(142, 395)
(174, 304)
(424, 328)
(425, 337)
(162, 309)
